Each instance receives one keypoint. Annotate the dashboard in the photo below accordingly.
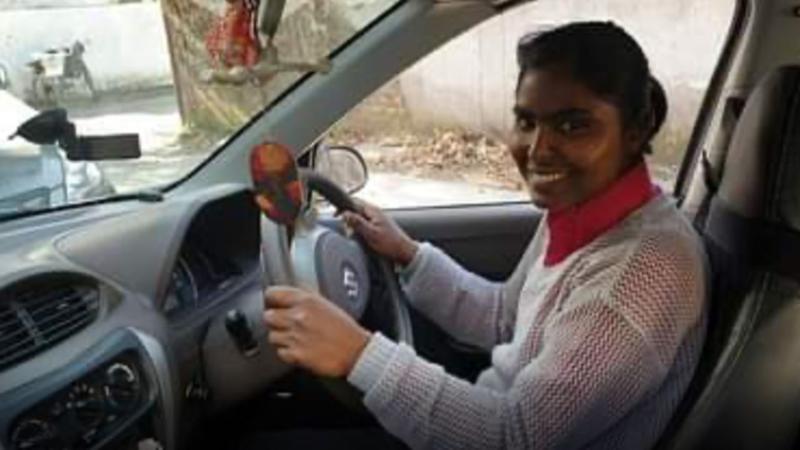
(78, 408)
(113, 324)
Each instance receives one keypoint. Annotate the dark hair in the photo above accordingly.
(608, 61)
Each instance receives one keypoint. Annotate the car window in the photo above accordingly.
(181, 75)
(434, 135)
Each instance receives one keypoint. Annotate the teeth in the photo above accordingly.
(549, 177)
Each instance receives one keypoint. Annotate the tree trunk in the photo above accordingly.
(310, 29)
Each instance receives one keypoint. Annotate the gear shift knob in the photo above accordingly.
(240, 330)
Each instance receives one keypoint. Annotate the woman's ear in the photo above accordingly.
(633, 141)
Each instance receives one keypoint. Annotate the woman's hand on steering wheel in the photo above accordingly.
(313, 333)
(381, 233)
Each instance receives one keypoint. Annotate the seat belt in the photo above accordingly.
(734, 105)
(711, 180)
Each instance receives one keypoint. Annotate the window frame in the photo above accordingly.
(711, 99)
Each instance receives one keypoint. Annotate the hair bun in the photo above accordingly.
(658, 105)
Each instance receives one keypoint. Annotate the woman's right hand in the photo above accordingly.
(381, 233)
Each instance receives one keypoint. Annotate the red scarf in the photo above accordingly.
(574, 227)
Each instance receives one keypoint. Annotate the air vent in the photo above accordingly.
(36, 315)
(16, 339)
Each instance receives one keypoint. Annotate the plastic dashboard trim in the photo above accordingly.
(19, 401)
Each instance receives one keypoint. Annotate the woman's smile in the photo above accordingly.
(549, 174)
(539, 179)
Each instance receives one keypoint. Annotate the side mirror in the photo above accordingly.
(343, 165)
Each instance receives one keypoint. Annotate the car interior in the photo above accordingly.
(136, 320)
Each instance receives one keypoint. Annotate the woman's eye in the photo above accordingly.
(525, 124)
(571, 126)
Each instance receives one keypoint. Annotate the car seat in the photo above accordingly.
(746, 390)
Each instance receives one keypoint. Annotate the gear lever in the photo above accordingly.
(242, 333)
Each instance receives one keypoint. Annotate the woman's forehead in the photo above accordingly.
(547, 92)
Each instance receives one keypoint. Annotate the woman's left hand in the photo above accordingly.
(311, 332)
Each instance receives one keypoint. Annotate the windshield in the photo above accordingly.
(181, 75)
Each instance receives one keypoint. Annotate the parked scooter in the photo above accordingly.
(56, 70)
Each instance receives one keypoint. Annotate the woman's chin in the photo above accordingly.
(544, 201)
(547, 195)
(541, 201)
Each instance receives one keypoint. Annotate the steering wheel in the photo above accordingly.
(342, 269)
(342, 266)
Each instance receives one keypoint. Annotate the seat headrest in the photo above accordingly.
(761, 179)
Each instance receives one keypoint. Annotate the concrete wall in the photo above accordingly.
(29, 4)
(126, 44)
(470, 81)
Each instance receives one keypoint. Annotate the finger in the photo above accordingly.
(364, 204)
(361, 226)
(360, 204)
(370, 211)
(348, 217)
(354, 220)
(282, 297)
(277, 319)
(361, 207)
(288, 355)
(298, 318)
(280, 339)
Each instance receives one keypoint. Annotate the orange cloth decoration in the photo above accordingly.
(233, 40)
(278, 190)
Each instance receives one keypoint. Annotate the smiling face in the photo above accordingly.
(568, 143)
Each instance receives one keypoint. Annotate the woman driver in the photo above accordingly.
(595, 336)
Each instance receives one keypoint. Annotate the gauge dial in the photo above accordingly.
(87, 404)
(182, 292)
(122, 387)
(34, 434)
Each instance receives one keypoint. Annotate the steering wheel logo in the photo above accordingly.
(350, 283)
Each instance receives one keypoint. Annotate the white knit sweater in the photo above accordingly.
(595, 351)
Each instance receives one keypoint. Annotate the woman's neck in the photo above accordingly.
(572, 228)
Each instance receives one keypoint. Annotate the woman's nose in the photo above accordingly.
(541, 146)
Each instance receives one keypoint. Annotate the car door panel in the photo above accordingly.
(486, 239)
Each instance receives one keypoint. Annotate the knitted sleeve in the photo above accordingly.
(468, 307)
(600, 355)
